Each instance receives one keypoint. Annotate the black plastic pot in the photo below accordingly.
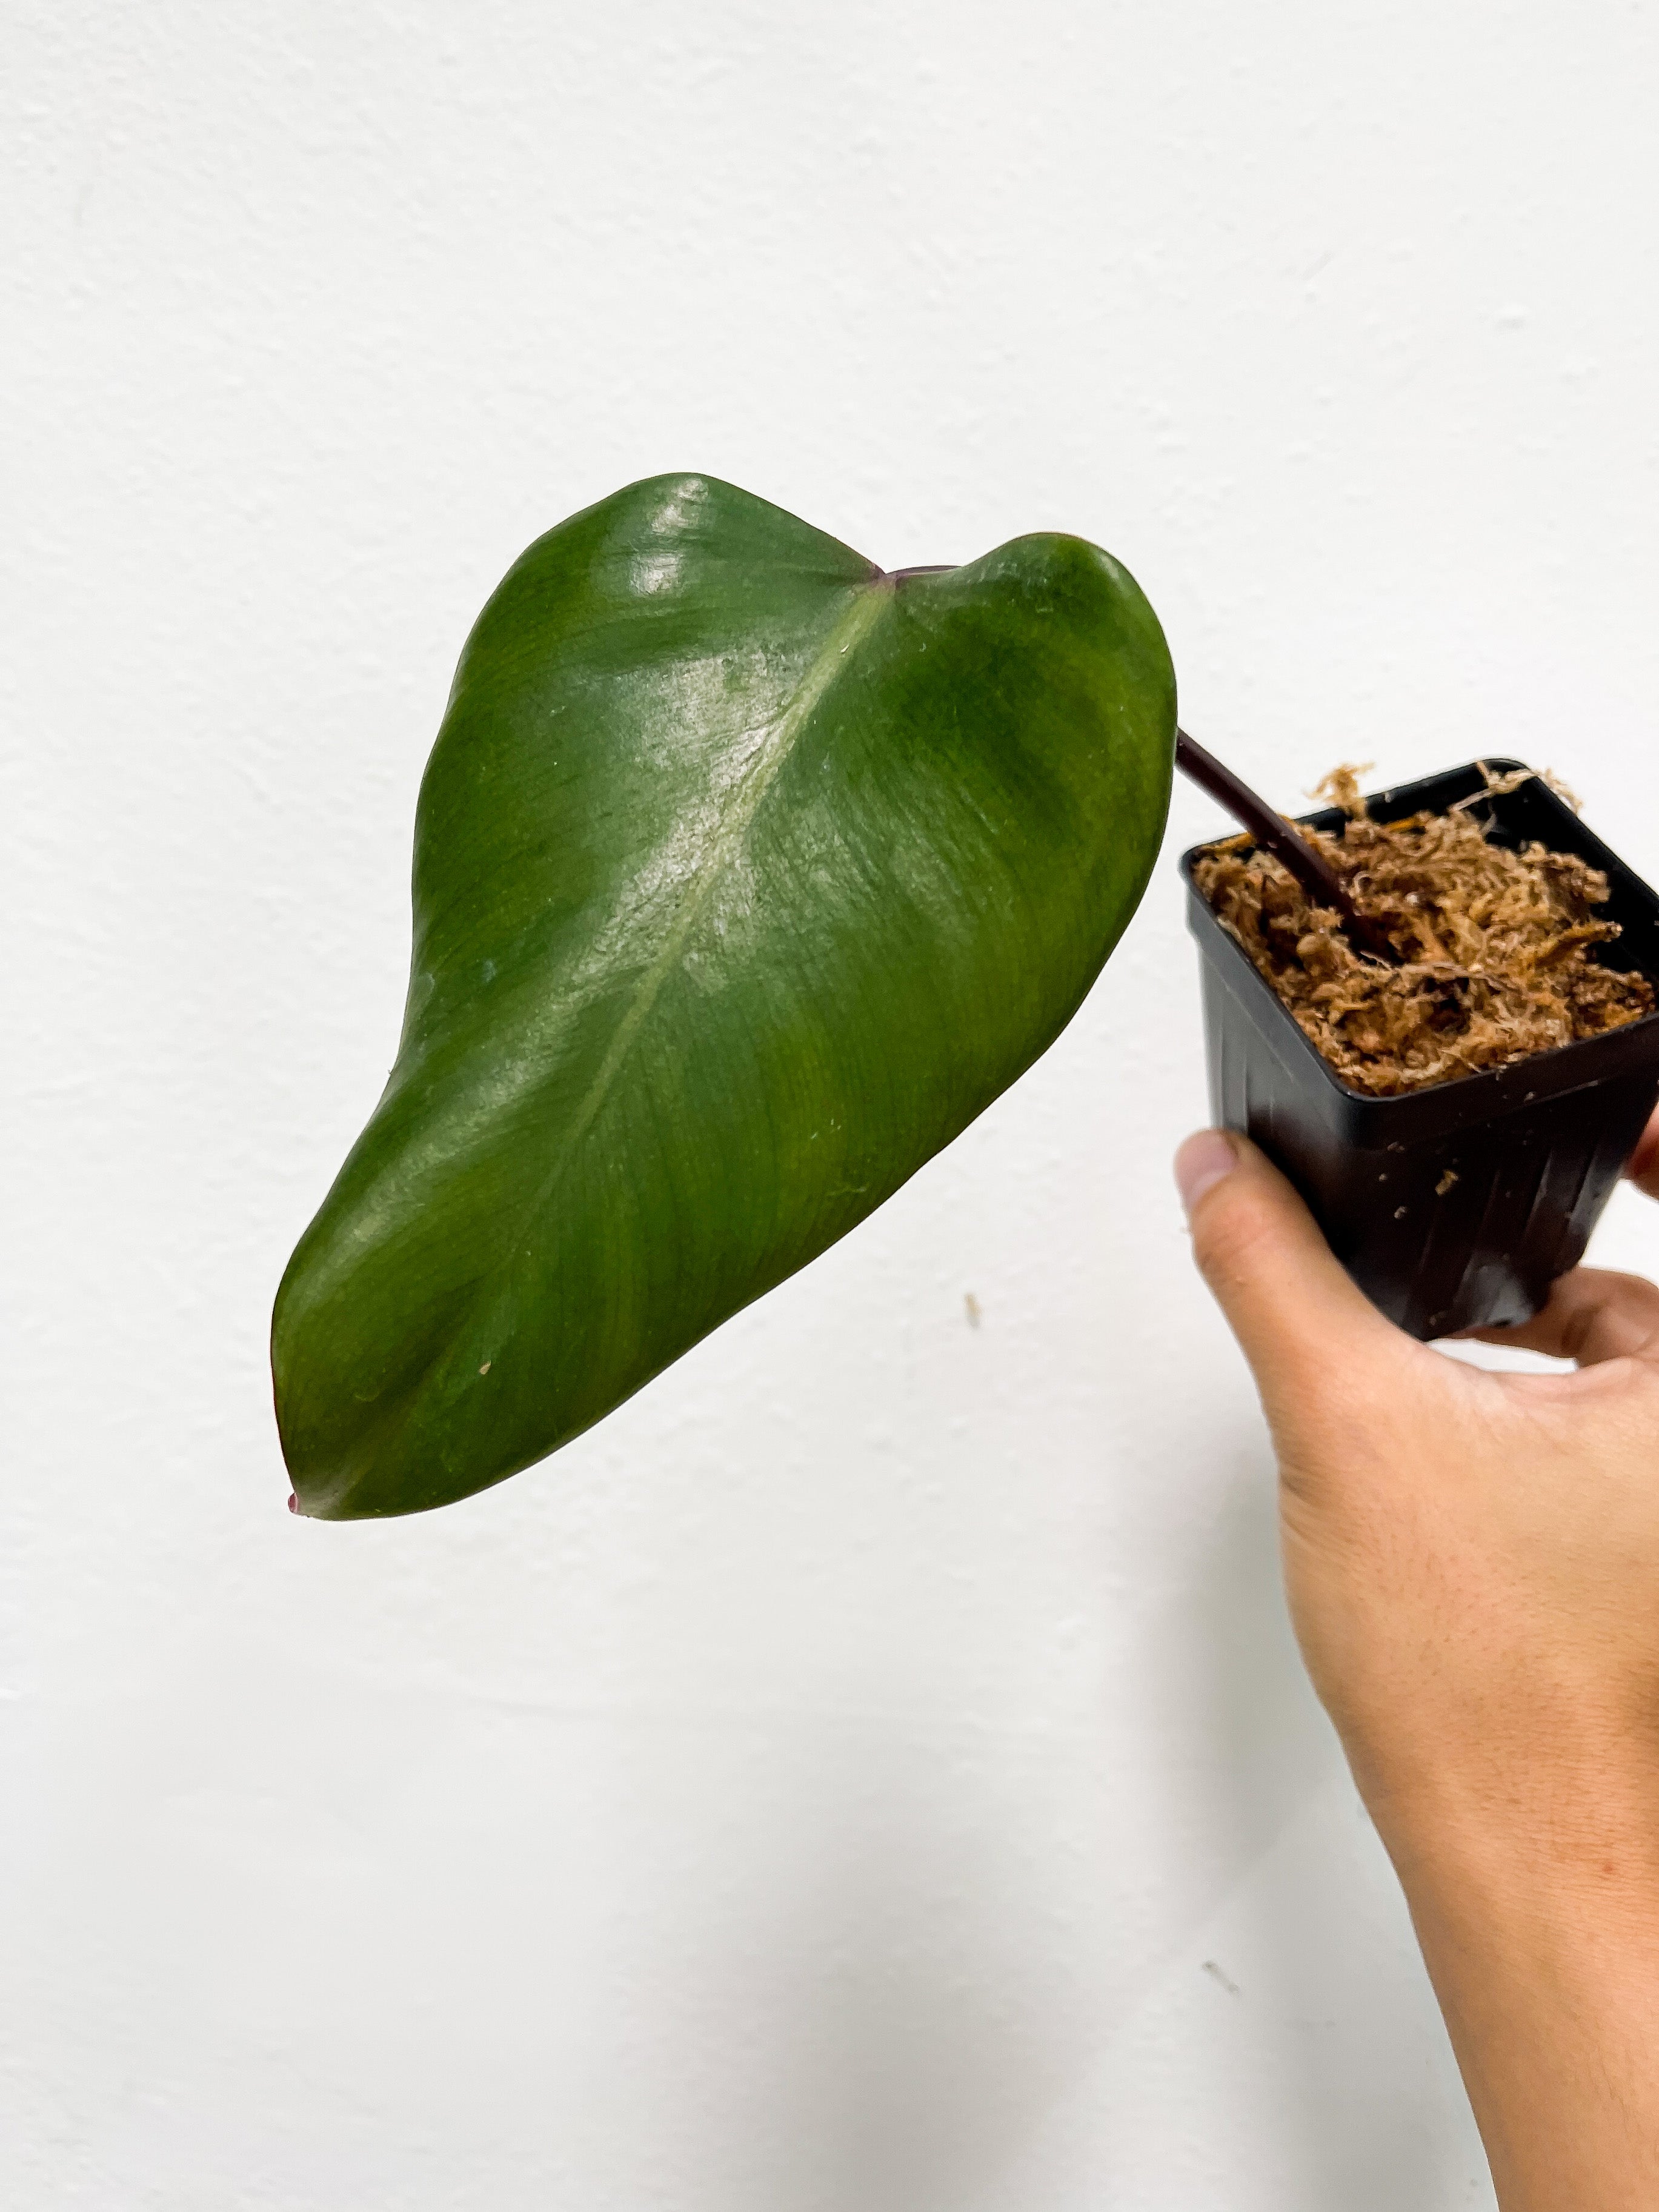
(1455, 1206)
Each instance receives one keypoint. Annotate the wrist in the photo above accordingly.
(1533, 1831)
(1546, 1899)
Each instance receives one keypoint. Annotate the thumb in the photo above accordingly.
(1300, 1320)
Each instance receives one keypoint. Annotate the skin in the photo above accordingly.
(1472, 1562)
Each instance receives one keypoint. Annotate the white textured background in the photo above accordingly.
(871, 1773)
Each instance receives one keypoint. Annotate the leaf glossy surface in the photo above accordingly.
(745, 877)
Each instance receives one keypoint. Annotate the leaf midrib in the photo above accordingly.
(835, 654)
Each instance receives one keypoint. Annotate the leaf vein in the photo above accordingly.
(763, 772)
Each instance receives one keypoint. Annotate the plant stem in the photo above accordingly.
(1288, 846)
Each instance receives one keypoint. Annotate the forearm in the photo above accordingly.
(1544, 1953)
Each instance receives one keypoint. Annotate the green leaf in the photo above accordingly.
(746, 876)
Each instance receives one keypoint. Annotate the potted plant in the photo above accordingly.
(746, 875)
(1453, 1206)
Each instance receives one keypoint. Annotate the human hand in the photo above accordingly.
(1472, 1561)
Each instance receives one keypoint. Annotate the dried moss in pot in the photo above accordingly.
(1497, 947)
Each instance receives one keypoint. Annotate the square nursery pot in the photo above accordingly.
(1455, 1206)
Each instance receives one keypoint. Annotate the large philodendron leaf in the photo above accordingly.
(746, 876)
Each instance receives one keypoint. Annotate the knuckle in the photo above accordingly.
(1595, 1313)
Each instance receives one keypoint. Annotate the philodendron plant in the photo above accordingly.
(746, 876)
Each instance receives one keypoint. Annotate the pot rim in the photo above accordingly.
(1554, 1073)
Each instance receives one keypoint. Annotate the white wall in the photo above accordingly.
(871, 1773)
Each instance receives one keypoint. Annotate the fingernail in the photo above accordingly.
(1201, 1162)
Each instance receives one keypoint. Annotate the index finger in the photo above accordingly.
(1593, 1314)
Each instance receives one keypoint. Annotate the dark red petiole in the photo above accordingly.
(1292, 850)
